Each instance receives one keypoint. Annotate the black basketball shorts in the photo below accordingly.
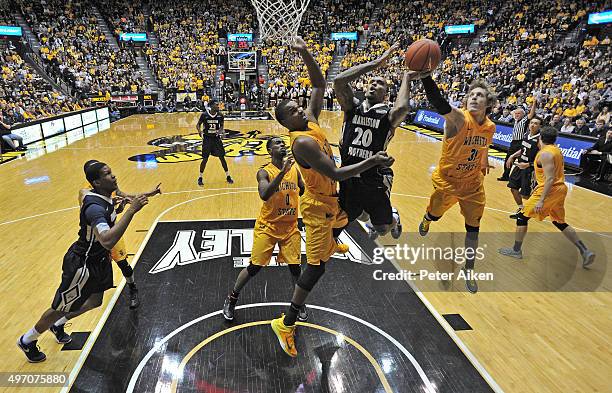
(521, 179)
(212, 145)
(373, 196)
(81, 278)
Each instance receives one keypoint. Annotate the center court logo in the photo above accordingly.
(185, 148)
(198, 246)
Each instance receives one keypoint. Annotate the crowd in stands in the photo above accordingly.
(76, 51)
(122, 16)
(188, 34)
(26, 96)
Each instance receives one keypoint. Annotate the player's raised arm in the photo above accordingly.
(344, 92)
(402, 104)
(316, 79)
(267, 188)
(308, 151)
(453, 116)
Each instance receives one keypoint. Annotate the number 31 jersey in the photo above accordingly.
(365, 133)
(462, 155)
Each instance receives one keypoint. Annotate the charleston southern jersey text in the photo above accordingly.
(211, 123)
(365, 133)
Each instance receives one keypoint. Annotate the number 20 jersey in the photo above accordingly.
(364, 133)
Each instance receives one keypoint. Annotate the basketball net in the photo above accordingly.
(279, 20)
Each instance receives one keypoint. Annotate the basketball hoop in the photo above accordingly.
(279, 20)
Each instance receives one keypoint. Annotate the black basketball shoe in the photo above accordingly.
(31, 351)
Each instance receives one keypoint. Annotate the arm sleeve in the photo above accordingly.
(95, 216)
(435, 97)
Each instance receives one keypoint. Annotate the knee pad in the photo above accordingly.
(126, 269)
(337, 231)
(253, 269)
(472, 232)
(295, 270)
(310, 276)
(521, 220)
(432, 217)
(560, 226)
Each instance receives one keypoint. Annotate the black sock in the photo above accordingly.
(292, 314)
(427, 217)
(581, 246)
(517, 246)
(132, 285)
(233, 297)
(469, 264)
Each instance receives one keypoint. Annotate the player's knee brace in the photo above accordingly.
(295, 270)
(431, 217)
(521, 220)
(125, 267)
(311, 275)
(253, 269)
(338, 231)
(560, 226)
(472, 232)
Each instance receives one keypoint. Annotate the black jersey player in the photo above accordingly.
(211, 127)
(368, 127)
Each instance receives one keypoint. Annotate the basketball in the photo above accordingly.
(423, 55)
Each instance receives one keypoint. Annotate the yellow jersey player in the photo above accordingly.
(548, 198)
(459, 176)
(319, 205)
(119, 251)
(280, 186)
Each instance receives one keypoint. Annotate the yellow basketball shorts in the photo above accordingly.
(265, 238)
(119, 252)
(321, 214)
(469, 194)
(554, 204)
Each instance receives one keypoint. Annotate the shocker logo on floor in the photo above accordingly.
(185, 148)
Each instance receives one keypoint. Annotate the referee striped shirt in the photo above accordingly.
(518, 132)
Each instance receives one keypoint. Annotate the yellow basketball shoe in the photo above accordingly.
(285, 335)
(342, 248)
(424, 226)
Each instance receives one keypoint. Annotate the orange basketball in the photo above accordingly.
(423, 55)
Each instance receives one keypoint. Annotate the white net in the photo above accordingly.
(279, 20)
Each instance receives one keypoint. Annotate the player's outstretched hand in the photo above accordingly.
(385, 56)
(415, 75)
(298, 44)
(287, 165)
(138, 203)
(383, 159)
(155, 191)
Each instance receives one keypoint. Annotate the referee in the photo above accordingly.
(518, 132)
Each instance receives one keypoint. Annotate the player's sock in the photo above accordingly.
(31, 335)
(292, 314)
(227, 174)
(428, 217)
(517, 246)
(61, 321)
(201, 174)
(581, 246)
(233, 297)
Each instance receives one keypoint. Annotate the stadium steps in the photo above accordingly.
(572, 38)
(110, 37)
(29, 34)
(153, 40)
(146, 71)
(37, 64)
(335, 67)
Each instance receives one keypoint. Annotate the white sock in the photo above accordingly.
(227, 173)
(201, 173)
(521, 206)
(31, 335)
(61, 321)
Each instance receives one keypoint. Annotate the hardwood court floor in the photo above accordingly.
(528, 341)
